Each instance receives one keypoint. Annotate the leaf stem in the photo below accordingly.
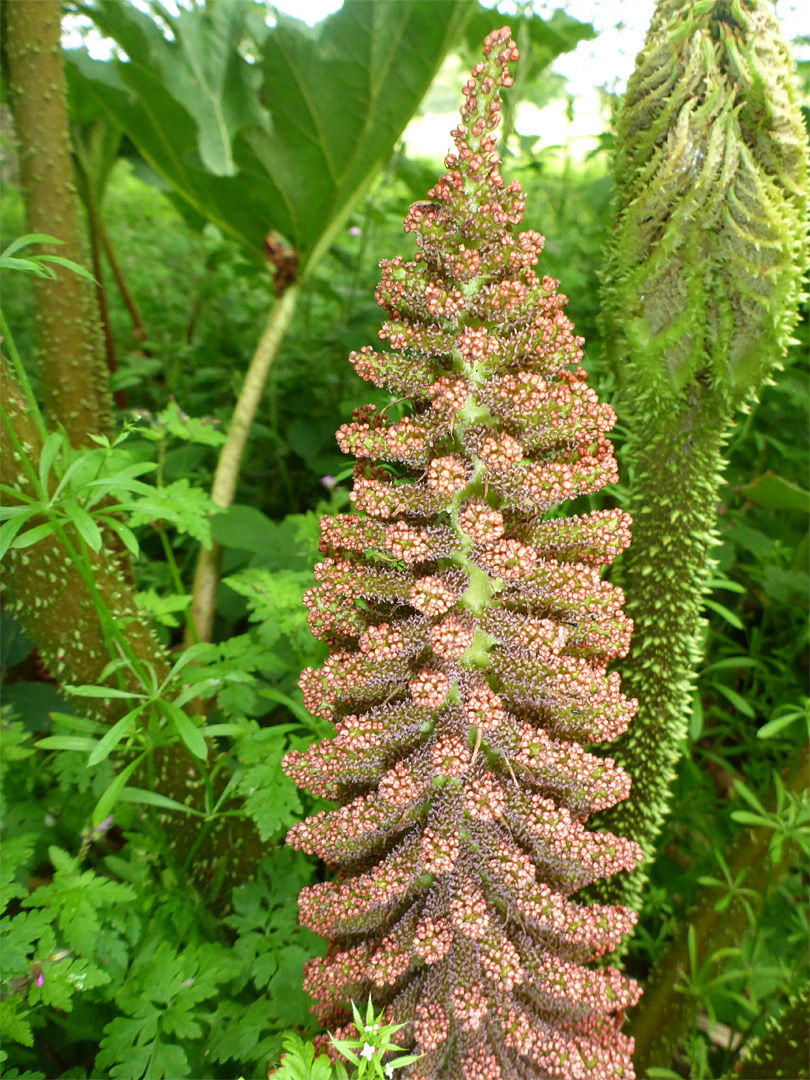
(206, 575)
(177, 581)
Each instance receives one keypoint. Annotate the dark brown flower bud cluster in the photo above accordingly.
(470, 634)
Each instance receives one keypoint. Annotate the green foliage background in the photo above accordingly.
(112, 964)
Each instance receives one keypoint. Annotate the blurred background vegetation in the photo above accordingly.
(202, 298)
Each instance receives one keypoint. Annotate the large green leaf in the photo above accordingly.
(774, 493)
(202, 70)
(210, 78)
(342, 97)
(135, 95)
(96, 137)
(289, 142)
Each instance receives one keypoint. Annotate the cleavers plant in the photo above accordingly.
(470, 634)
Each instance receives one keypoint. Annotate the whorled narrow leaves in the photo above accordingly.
(470, 634)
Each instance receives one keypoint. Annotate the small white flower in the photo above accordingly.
(389, 1070)
(367, 1051)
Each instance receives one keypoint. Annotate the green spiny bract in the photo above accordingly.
(704, 269)
(701, 289)
(470, 637)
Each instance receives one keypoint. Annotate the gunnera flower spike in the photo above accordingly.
(470, 633)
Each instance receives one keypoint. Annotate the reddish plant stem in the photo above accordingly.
(104, 311)
(138, 329)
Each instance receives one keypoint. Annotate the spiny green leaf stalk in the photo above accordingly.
(783, 1051)
(68, 331)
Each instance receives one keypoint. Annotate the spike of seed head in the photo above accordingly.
(470, 635)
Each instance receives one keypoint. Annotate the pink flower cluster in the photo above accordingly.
(469, 636)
